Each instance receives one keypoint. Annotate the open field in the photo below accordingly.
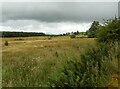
(60, 45)
(33, 61)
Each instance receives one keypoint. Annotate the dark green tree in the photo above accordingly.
(93, 29)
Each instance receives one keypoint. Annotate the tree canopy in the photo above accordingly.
(110, 31)
(93, 29)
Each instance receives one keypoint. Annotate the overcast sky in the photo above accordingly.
(54, 17)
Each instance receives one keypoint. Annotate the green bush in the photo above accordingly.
(96, 65)
(93, 69)
(72, 36)
(6, 43)
(110, 32)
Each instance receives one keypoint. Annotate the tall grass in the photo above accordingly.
(33, 63)
(94, 68)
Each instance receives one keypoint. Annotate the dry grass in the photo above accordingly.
(31, 61)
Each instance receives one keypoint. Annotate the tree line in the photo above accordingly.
(28, 34)
(20, 34)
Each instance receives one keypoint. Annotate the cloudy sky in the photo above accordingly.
(54, 17)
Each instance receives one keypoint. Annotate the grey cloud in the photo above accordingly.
(37, 26)
(59, 11)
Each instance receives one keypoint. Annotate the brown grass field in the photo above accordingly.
(33, 61)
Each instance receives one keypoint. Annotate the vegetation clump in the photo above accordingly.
(72, 36)
(95, 66)
(93, 30)
(6, 43)
(110, 31)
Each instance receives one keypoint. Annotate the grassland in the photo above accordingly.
(33, 61)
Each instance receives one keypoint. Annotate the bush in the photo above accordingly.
(72, 36)
(6, 43)
(109, 32)
(93, 69)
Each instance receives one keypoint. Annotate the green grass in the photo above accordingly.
(33, 61)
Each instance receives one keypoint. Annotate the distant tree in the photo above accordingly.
(68, 33)
(64, 34)
(93, 29)
(77, 32)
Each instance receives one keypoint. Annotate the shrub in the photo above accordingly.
(72, 36)
(90, 70)
(6, 43)
(109, 32)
